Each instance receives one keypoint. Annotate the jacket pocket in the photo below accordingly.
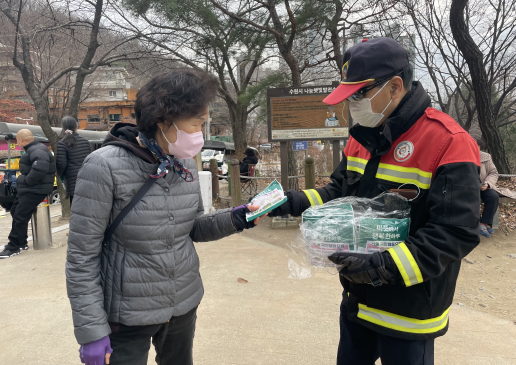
(463, 210)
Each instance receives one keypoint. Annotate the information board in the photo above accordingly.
(300, 145)
(300, 114)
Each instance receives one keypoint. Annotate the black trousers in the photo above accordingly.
(21, 211)
(361, 346)
(173, 342)
(490, 199)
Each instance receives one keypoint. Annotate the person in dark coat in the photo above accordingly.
(72, 149)
(249, 159)
(35, 182)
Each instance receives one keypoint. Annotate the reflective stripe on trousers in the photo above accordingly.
(401, 323)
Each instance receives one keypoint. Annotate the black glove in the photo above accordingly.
(239, 220)
(362, 268)
(293, 206)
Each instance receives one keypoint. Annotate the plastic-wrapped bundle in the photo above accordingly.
(348, 224)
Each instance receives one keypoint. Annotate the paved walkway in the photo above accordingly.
(269, 320)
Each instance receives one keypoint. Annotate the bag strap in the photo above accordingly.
(139, 195)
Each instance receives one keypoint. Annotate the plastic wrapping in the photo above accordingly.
(348, 224)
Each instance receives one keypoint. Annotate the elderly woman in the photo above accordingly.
(489, 192)
(144, 283)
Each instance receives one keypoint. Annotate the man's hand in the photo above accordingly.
(361, 268)
(293, 205)
(484, 186)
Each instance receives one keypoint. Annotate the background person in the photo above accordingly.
(249, 159)
(145, 283)
(35, 183)
(72, 149)
(489, 192)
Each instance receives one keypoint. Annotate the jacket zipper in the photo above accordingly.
(122, 272)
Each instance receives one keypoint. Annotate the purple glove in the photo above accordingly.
(94, 353)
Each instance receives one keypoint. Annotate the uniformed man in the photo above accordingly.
(396, 302)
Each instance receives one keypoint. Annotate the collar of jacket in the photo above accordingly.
(378, 140)
(124, 135)
(27, 146)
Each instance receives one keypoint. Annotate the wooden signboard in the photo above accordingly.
(299, 114)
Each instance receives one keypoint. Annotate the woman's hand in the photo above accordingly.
(239, 217)
(484, 187)
(96, 352)
(252, 208)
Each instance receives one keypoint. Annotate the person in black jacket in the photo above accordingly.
(249, 159)
(36, 181)
(397, 301)
(72, 149)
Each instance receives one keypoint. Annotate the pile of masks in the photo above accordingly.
(348, 224)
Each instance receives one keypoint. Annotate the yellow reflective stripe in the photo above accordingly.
(404, 175)
(357, 159)
(356, 164)
(313, 196)
(357, 169)
(406, 169)
(406, 264)
(401, 323)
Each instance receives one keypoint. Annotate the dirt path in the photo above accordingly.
(487, 280)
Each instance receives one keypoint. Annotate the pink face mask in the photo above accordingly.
(187, 145)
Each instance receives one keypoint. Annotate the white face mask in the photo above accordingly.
(362, 112)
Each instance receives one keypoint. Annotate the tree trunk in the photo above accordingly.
(335, 38)
(238, 118)
(86, 62)
(475, 60)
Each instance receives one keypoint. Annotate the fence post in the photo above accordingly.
(214, 169)
(41, 226)
(229, 177)
(309, 173)
(236, 194)
(198, 161)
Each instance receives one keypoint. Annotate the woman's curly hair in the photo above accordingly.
(180, 94)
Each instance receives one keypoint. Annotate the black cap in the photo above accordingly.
(366, 62)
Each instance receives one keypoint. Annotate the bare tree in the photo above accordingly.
(47, 21)
(482, 70)
(200, 36)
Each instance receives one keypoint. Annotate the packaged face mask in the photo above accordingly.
(270, 198)
(348, 224)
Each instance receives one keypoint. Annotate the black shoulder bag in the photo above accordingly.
(139, 195)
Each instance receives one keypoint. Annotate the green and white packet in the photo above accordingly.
(349, 224)
(270, 198)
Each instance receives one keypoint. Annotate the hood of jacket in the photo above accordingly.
(484, 156)
(124, 135)
(378, 140)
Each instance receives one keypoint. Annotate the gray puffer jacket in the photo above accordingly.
(150, 272)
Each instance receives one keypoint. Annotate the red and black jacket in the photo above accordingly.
(421, 148)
